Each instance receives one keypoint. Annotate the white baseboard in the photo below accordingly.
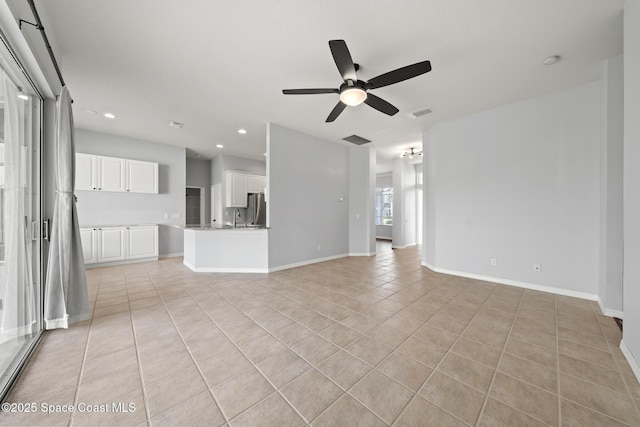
(225, 269)
(607, 311)
(362, 253)
(121, 262)
(632, 361)
(307, 262)
(525, 285)
(403, 246)
(175, 255)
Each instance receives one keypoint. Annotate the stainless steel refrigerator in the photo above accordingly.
(257, 209)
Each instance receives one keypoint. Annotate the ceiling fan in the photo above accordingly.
(355, 92)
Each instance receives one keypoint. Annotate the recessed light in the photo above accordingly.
(109, 115)
(242, 131)
(23, 96)
(220, 146)
(91, 111)
(551, 60)
(175, 124)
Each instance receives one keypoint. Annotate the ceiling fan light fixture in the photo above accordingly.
(353, 96)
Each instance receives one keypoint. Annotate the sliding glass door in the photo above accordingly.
(20, 240)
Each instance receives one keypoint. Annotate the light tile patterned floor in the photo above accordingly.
(356, 341)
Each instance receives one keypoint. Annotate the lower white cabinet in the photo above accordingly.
(111, 244)
(142, 241)
(114, 244)
(89, 238)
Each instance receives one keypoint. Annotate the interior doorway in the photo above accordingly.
(195, 205)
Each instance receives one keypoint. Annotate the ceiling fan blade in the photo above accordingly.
(399, 75)
(380, 104)
(343, 60)
(308, 91)
(336, 111)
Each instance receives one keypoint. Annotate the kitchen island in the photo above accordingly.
(226, 249)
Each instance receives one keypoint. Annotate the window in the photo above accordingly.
(384, 206)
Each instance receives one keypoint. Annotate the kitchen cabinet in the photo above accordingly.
(89, 239)
(86, 172)
(113, 244)
(100, 173)
(236, 186)
(111, 174)
(142, 177)
(239, 185)
(256, 183)
(142, 241)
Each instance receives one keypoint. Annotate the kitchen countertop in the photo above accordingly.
(221, 228)
(116, 225)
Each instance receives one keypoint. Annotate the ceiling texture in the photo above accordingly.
(220, 65)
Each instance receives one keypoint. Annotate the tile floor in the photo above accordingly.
(356, 341)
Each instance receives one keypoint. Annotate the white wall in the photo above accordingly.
(631, 334)
(103, 208)
(384, 231)
(611, 159)
(307, 178)
(519, 183)
(199, 175)
(362, 228)
(404, 204)
(429, 201)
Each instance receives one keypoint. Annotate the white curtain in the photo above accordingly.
(17, 314)
(66, 299)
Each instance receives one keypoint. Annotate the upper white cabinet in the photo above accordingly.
(99, 173)
(239, 185)
(111, 174)
(236, 189)
(142, 177)
(256, 183)
(86, 171)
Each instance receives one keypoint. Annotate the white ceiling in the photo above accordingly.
(218, 66)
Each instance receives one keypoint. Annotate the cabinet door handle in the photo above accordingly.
(94, 188)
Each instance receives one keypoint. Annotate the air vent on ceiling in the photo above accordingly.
(422, 112)
(355, 139)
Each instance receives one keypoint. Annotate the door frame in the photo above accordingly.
(202, 199)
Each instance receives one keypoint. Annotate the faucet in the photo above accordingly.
(236, 215)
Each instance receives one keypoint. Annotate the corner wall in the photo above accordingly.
(404, 204)
(307, 178)
(630, 344)
(520, 184)
(362, 178)
(104, 208)
(611, 160)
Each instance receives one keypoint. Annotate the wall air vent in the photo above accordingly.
(355, 139)
(422, 112)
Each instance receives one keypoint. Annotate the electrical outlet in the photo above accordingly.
(537, 268)
(318, 247)
(494, 261)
